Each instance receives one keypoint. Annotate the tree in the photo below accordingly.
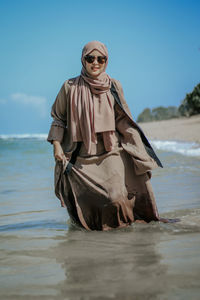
(191, 104)
(145, 116)
(158, 113)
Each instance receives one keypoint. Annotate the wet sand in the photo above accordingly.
(180, 129)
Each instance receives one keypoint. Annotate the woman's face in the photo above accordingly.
(95, 68)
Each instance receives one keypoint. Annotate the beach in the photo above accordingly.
(180, 129)
(44, 257)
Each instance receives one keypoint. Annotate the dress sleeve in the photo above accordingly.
(120, 90)
(59, 115)
(130, 139)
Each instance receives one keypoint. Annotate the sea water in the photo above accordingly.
(43, 257)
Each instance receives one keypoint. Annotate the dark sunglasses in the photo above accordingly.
(90, 59)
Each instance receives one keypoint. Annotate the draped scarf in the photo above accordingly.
(91, 107)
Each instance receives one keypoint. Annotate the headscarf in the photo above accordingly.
(91, 104)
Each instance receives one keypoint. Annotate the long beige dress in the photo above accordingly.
(105, 190)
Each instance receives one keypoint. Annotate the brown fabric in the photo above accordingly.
(91, 108)
(104, 190)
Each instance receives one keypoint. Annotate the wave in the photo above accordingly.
(184, 148)
(38, 136)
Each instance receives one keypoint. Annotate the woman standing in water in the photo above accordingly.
(103, 160)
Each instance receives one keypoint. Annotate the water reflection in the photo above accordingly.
(121, 264)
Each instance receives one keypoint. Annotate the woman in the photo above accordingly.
(103, 160)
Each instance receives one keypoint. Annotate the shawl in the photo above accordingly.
(91, 104)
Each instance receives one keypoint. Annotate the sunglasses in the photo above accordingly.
(90, 59)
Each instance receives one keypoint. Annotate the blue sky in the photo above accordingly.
(154, 50)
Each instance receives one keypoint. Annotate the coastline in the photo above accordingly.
(178, 129)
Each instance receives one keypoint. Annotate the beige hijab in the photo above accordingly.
(91, 106)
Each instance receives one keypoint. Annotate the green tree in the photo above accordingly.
(145, 116)
(191, 104)
(165, 113)
(158, 113)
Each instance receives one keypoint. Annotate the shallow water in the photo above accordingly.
(43, 257)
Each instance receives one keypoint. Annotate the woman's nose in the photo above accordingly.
(95, 61)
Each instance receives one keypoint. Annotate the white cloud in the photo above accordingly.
(40, 103)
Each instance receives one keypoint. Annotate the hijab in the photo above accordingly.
(91, 104)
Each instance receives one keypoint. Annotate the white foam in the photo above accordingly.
(184, 148)
(39, 136)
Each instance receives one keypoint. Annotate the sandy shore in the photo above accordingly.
(181, 129)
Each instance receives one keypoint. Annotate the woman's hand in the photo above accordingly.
(58, 152)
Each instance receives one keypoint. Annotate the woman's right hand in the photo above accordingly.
(58, 152)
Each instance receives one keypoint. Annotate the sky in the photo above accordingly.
(154, 51)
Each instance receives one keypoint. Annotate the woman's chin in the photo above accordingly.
(94, 75)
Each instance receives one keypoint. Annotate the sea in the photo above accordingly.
(42, 256)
